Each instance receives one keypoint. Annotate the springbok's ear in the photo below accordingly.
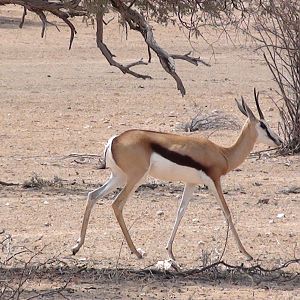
(245, 109)
(241, 108)
(250, 114)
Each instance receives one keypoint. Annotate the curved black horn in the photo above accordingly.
(261, 115)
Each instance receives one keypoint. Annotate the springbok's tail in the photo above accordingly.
(107, 148)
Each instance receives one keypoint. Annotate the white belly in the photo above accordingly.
(165, 169)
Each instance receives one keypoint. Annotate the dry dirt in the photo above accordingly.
(55, 102)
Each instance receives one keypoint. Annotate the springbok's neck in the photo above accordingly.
(239, 151)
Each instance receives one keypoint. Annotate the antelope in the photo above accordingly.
(135, 154)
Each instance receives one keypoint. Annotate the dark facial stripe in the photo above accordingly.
(177, 158)
(263, 126)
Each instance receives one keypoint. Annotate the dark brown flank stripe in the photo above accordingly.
(177, 158)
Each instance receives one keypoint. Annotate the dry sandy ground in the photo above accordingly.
(55, 102)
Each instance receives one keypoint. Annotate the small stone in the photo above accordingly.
(160, 213)
(263, 201)
(142, 252)
(271, 221)
(195, 220)
(47, 224)
(280, 216)
(46, 202)
(82, 259)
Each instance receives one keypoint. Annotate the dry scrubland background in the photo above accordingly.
(55, 102)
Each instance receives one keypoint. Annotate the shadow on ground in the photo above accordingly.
(82, 281)
(14, 22)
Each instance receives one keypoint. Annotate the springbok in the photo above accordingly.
(135, 154)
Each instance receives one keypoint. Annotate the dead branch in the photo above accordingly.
(137, 22)
(7, 183)
(83, 155)
(278, 38)
(188, 58)
(258, 154)
(51, 293)
(29, 267)
(109, 56)
(255, 269)
(59, 8)
(23, 17)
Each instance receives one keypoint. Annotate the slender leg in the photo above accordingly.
(113, 183)
(186, 197)
(118, 206)
(217, 191)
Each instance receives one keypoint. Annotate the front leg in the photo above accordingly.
(216, 189)
(186, 197)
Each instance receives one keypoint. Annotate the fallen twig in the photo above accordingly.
(259, 153)
(8, 183)
(83, 155)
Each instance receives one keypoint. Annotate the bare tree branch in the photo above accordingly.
(109, 56)
(137, 22)
(23, 17)
(61, 9)
(188, 58)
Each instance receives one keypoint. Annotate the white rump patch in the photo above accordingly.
(110, 162)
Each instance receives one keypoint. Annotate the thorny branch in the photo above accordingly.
(16, 272)
(12, 282)
(279, 40)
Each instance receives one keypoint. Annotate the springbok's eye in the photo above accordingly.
(263, 126)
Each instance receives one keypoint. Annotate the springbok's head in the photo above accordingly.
(265, 134)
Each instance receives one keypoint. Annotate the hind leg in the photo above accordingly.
(113, 183)
(133, 181)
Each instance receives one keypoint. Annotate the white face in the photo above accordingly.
(266, 135)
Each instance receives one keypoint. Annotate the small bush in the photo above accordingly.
(37, 182)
